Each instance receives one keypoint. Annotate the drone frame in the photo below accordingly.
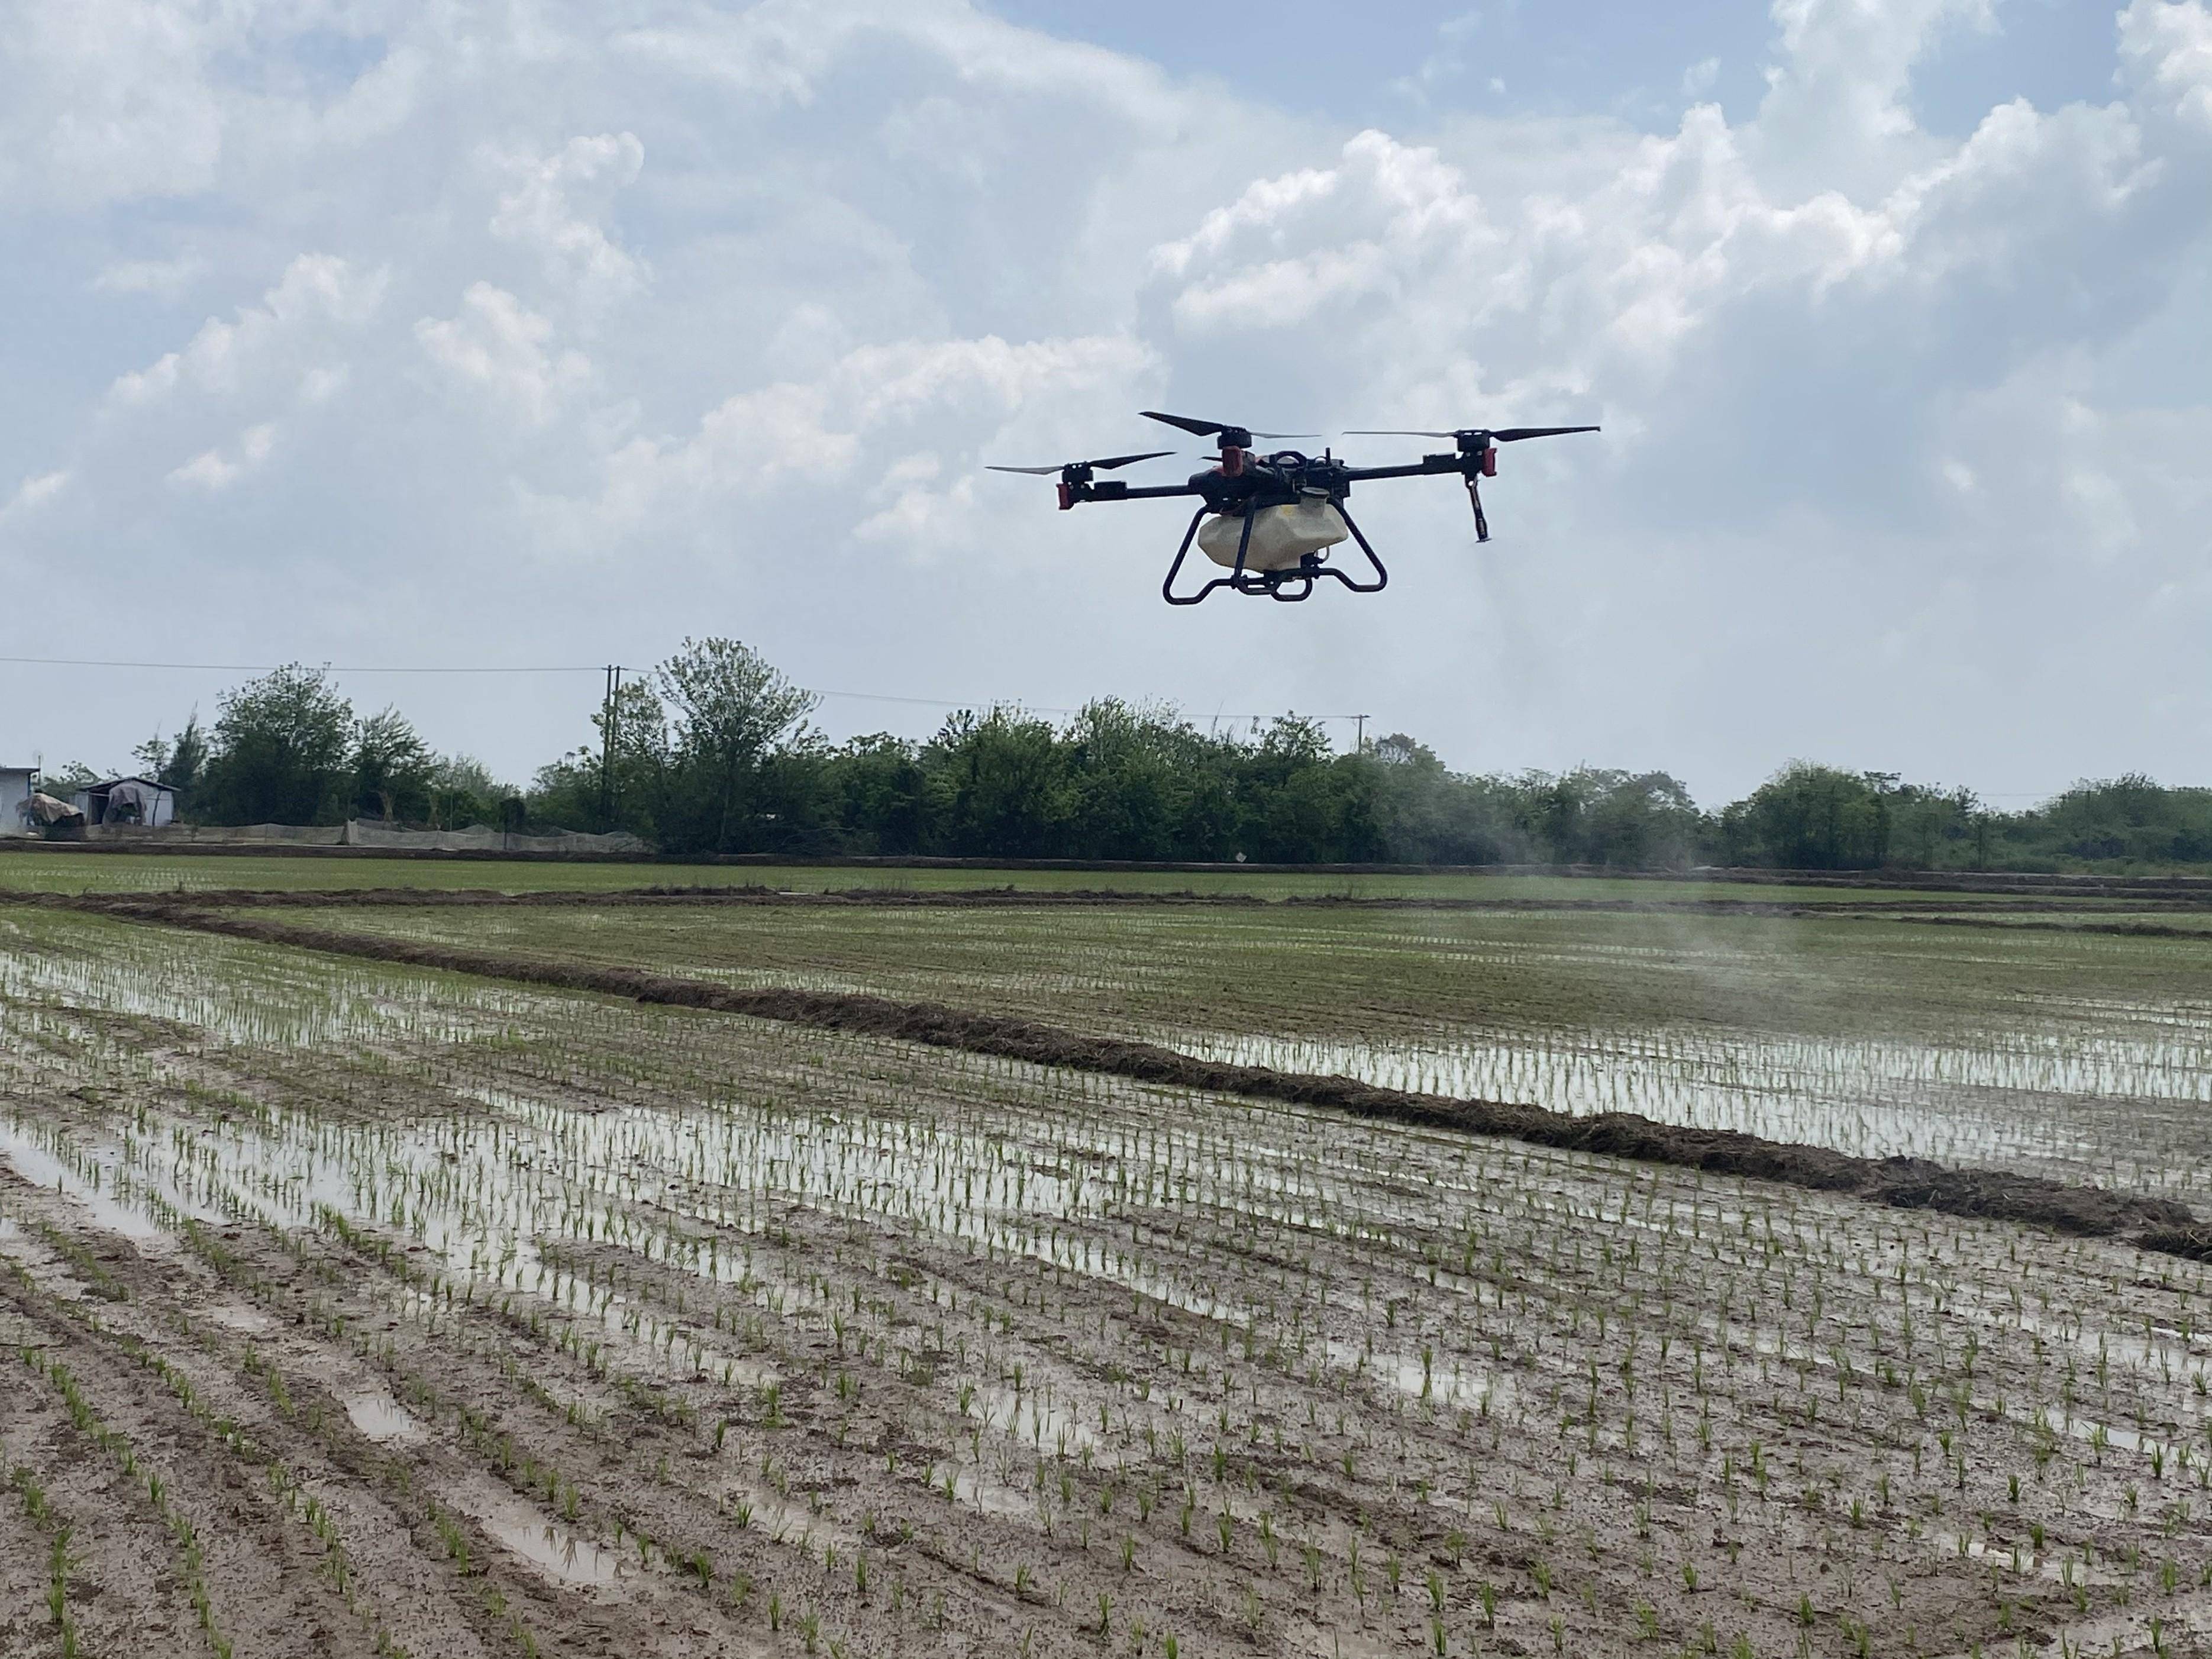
(1275, 584)
(1243, 482)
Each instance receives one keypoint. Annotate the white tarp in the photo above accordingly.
(131, 802)
(46, 811)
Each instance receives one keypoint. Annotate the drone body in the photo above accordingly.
(1269, 520)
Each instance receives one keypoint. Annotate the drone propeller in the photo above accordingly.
(1227, 431)
(1504, 434)
(1478, 448)
(1107, 464)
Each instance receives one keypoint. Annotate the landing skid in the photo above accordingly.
(1292, 587)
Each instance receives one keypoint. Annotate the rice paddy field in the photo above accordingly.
(354, 1307)
(2084, 1056)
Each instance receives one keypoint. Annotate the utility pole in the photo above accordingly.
(607, 749)
(1360, 748)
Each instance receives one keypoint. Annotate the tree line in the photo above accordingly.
(714, 752)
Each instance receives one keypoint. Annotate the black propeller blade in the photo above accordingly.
(1107, 464)
(1209, 428)
(1504, 434)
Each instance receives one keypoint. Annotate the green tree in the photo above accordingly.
(1427, 814)
(998, 786)
(1297, 803)
(392, 768)
(462, 790)
(2129, 819)
(1812, 817)
(186, 761)
(175, 765)
(1628, 820)
(281, 752)
(623, 781)
(876, 788)
(1132, 775)
(1936, 829)
(732, 711)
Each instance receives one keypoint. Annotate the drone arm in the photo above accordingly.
(1473, 465)
(1428, 467)
(1113, 491)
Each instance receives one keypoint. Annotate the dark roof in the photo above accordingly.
(110, 783)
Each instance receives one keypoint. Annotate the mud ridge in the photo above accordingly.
(2155, 1223)
(2194, 1243)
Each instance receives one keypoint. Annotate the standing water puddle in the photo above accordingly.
(40, 1168)
(561, 1551)
(381, 1418)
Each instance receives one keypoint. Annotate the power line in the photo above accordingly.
(332, 668)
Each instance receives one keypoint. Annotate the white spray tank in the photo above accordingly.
(1281, 535)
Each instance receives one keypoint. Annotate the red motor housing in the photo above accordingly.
(1067, 496)
(1490, 461)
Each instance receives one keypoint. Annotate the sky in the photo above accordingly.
(541, 335)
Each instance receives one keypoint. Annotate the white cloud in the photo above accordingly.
(1383, 220)
(1837, 110)
(316, 290)
(1447, 60)
(35, 492)
(105, 102)
(2166, 49)
(163, 278)
(810, 433)
(214, 471)
(542, 212)
(324, 382)
(499, 344)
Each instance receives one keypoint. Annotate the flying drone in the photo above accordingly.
(1269, 520)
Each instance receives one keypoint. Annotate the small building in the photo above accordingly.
(138, 801)
(16, 784)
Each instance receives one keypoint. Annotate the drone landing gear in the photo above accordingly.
(1290, 586)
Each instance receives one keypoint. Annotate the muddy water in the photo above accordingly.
(559, 1552)
(381, 1418)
